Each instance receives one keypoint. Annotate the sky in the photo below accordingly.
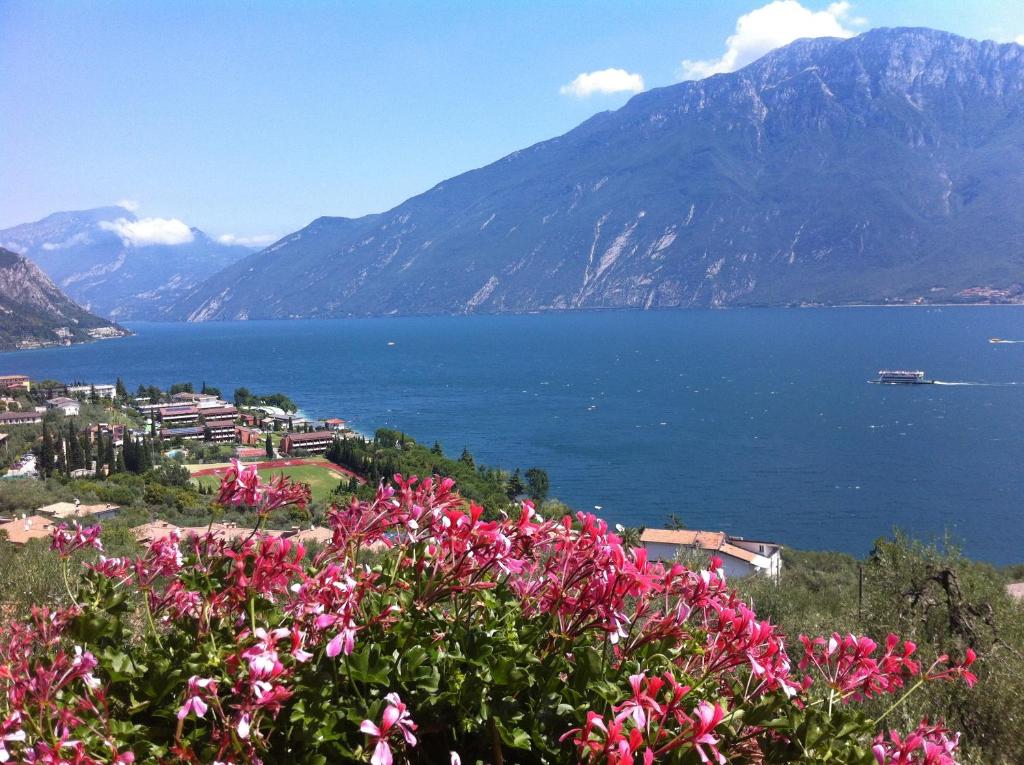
(249, 120)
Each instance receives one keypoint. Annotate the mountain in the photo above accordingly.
(882, 168)
(118, 265)
(34, 312)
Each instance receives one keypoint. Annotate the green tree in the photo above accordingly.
(46, 454)
(270, 447)
(242, 396)
(537, 484)
(436, 449)
(466, 458)
(120, 390)
(74, 447)
(515, 485)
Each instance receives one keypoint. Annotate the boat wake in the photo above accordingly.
(974, 384)
(1000, 341)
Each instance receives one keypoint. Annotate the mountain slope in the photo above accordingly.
(883, 168)
(91, 254)
(34, 312)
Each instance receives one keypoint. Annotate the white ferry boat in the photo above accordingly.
(901, 377)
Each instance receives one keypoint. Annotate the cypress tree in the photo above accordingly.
(74, 457)
(62, 454)
(270, 447)
(46, 454)
(108, 454)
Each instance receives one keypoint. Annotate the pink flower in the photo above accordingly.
(197, 688)
(708, 716)
(396, 718)
(67, 539)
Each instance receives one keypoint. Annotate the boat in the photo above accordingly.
(901, 377)
(997, 340)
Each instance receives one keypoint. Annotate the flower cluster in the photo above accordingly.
(491, 633)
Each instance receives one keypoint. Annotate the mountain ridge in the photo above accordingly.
(89, 254)
(35, 313)
(876, 169)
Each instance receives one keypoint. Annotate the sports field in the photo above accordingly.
(322, 476)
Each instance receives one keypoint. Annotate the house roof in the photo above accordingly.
(220, 424)
(319, 435)
(218, 411)
(15, 416)
(711, 541)
(185, 409)
(69, 510)
(62, 401)
(708, 540)
(181, 431)
(21, 530)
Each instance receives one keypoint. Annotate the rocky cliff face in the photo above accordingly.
(105, 259)
(884, 168)
(34, 312)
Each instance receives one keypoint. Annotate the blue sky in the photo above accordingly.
(251, 119)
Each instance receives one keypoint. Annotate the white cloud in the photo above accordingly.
(149, 231)
(769, 27)
(258, 240)
(131, 205)
(603, 81)
(1019, 39)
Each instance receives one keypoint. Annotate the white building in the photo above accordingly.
(740, 557)
(69, 406)
(102, 391)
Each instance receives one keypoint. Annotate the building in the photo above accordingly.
(219, 430)
(105, 430)
(22, 530)
(102, 390)
(178, 415)
(13, 382)
(65, 510)
(740, 557)
(20, 418)
(316, 442)
(249, 436)
(221, 412)
(290, 421)
(69, 406)
(230, 532)
(185, 434)
(250, 453)
(335, 424)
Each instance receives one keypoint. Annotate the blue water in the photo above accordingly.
(756, 422)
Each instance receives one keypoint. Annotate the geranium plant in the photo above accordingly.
(424, 633)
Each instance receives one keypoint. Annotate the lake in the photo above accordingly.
(758, 422)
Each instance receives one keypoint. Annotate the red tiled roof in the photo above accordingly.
(320, 435)
(711, 541)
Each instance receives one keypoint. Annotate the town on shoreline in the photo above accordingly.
(92, 437)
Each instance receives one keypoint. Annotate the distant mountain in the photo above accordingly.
(34, 312)
(115, 264)
(884, 168)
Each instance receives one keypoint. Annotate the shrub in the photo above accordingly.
(424, 633)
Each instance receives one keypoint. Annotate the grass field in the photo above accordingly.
(322, 477)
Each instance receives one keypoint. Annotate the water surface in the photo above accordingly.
(758, 422)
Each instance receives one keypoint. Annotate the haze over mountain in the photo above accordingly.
(117, 264)
(34, 312)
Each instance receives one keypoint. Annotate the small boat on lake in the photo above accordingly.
(901, 377)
